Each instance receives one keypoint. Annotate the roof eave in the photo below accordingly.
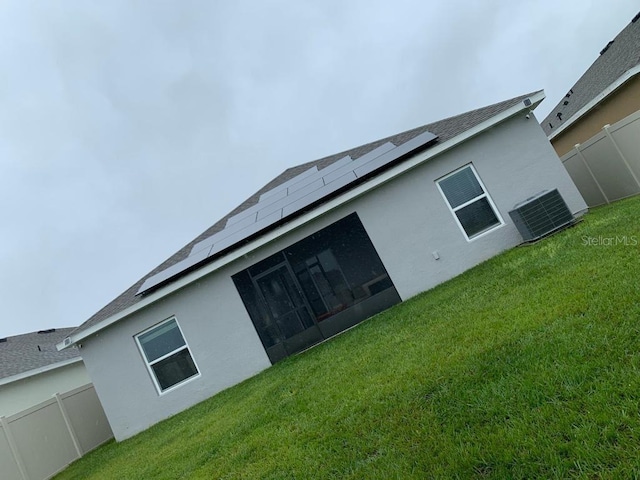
(332, 204)
(625, 77)
(38, 371)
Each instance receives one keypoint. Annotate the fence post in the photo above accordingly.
(624, 159)
(586, 165)
(14, 448)
(67, 422)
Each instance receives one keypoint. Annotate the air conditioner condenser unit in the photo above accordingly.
(541, 215)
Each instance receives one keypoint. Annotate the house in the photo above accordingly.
(595, 128)
(607, 92)
(32, 369)
(317, 250)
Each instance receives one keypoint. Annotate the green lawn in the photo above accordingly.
(527, 366)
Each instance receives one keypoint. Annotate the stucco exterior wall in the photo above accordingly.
(22, 394)
(620, 104)
(220, 336)
(514, 161)
(406, 218)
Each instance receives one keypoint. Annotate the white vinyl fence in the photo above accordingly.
(607, 166)
(37, 443)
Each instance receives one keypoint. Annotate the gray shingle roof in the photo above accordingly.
(22, 353)
(621, 55)
(445, 130)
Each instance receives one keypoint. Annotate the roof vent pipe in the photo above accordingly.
(607, 47)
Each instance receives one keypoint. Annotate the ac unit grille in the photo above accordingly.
(540, 215)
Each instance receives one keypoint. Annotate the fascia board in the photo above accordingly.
(332, 204)
(38, 371)
(626, 76)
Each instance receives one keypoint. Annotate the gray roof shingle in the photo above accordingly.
(622, 54)
(445, 129)
(22, 353)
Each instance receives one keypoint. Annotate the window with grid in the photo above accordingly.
(469, 202)
(167, 354)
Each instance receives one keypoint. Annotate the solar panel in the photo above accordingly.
(269, 209)
(330, 176)
(173, 270)
(247, 232)
(205, 251)
(288, 198)
(316, 195)
(421, 140)
(289, 182)
(271, 196)
(239, 225)
(343, 162)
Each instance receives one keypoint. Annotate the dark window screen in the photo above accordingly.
(297, 289)
(174, 369)
(477, 217)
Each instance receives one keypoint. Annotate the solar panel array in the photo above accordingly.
(287, 199)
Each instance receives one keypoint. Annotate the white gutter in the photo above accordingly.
(332, 204)
(596, 100)
(38, 371)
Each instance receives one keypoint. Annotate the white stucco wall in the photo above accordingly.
(407, 219)
(514, 161)
(220, 336)
(22, 394)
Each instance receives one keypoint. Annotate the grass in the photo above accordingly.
(527, 366)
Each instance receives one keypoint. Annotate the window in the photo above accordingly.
(472, 207)
(167, 354)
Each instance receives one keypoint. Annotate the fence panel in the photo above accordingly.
(43, 441)
(49, 436)
(627, 136)
(607, 166)
(87, 417)
(10, 469)
(583, 178)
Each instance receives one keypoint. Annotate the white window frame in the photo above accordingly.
(473, 200)
(149, 365)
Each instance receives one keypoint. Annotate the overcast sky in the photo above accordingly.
(129, 127)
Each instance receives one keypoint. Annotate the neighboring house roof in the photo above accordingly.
(619, 61)
(25, 355)
(448, 131)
